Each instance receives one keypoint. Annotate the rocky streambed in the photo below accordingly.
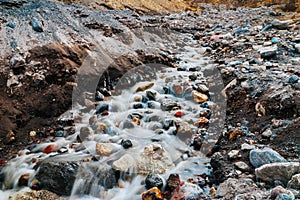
(120, 105)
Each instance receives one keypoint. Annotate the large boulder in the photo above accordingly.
(277, 172)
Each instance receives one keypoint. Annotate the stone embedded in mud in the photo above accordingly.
(232, 187)
(188, 191)
(152, 194)
(277, 172)
(10, 137)
(154, 180)
(57, 176)
(124, 164)
(234, 134)
(104, 149)
(154, 159)
(280, 193)
(173, 182)
(294, 183)
(261, 157)
(145, 87)
(267, 133)
(242, 166)
(199, 97)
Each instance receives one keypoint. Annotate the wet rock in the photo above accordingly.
(188, 191)
(36, 25)
(281, 24)
(35, 195)
(105, 92)
(154, 180)
(126, 144)
(152, 194)
(261, 157)
(242, 166)
(294, 183)
(124, 164)
(59, 133)
(178, 113)
(57, 176)
(145, 87)
(101, 108)
(199, 97)
(151, 95)
(49, 149)
(277, 172)
(138, 106)
(173, 182)
(11, 25)
(23, 180)
(183, 131)
(280, 193)
(234, 134)
(104, 149)
(85, 133)
(168, 105)
(177, 90)
(99, 96)
(154, 159)
(233, 187)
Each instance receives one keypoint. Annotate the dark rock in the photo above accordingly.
(126, 144)
(173, 182)
(128, 124)
(154, 180)
(151, 95)
(36, 25)
(23, 180)
(261, 157)
(138, 106)
(57, 177)
(101, 108)
(59, 133)
(85, 133)
(105, 92)
(95, 173)
(99, 96)
(168, 104)
(293, 79)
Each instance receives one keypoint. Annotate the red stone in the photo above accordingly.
(50, 148)
(2, 162)
(179, 113)
(104, 113)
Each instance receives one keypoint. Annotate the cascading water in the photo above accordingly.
(112, 171)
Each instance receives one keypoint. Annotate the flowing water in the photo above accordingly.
(179, 156)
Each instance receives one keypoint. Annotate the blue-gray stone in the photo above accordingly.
(36, 25)
(261, 157)
(293, 79)
(11, 25)
(285, 197)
